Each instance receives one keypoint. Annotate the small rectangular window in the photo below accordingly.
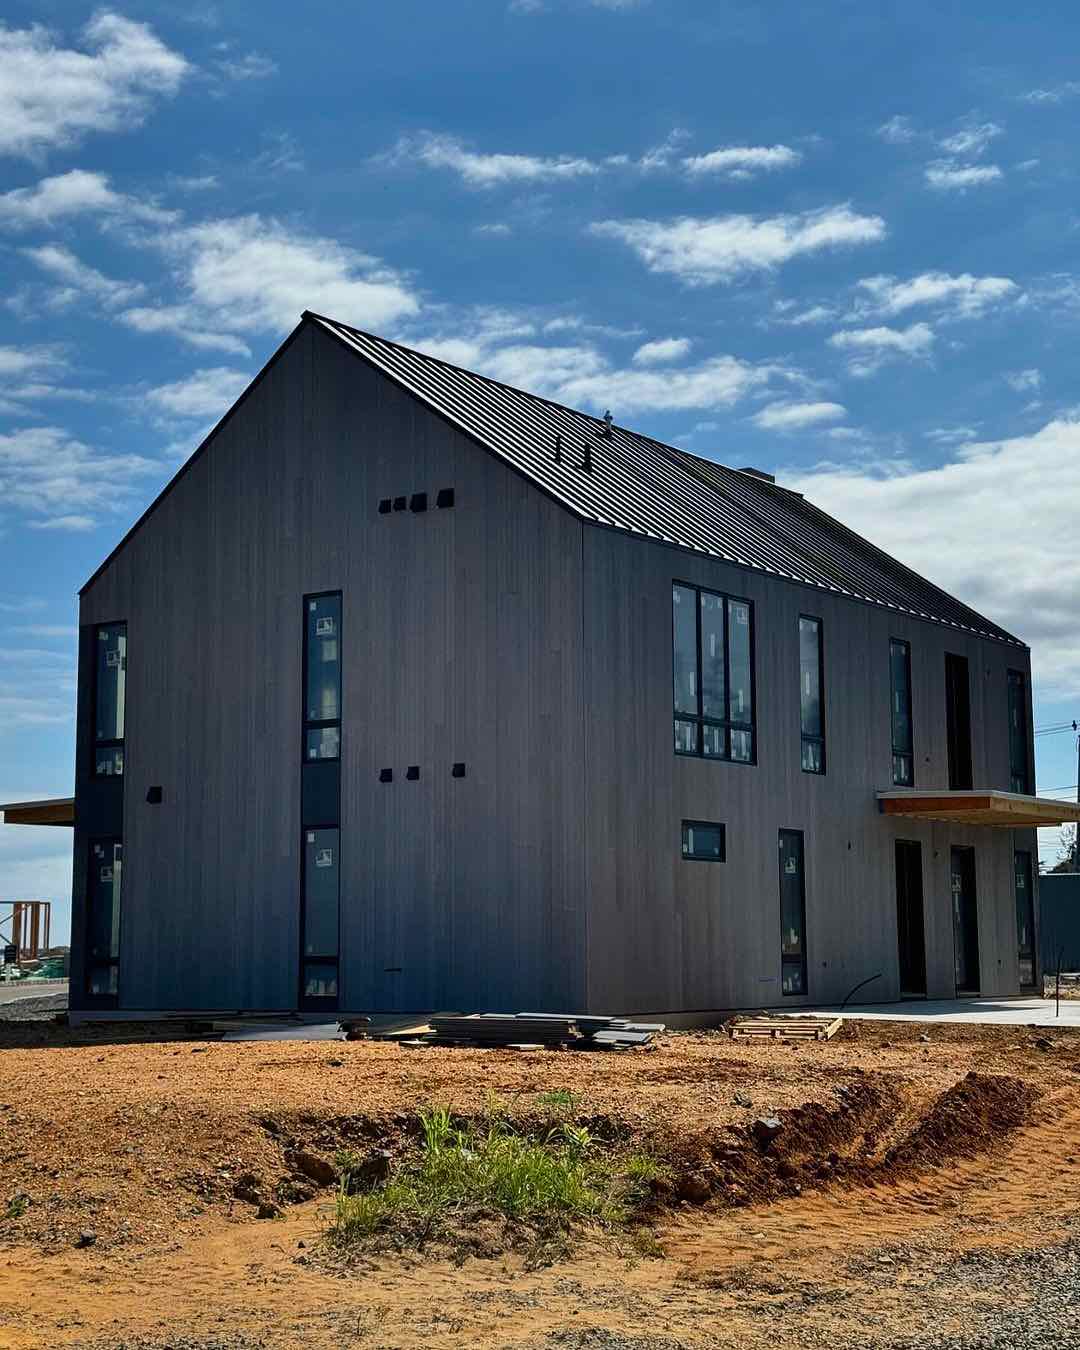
(792, 913)
(812, 694)
(110, 689)
(322, 677)
(712, 663)
(1019, 779)
(903, 755)
(103, 917)
(703, 841)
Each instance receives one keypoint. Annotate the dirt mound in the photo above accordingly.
(967, 1119)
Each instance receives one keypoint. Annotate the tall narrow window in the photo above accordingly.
(110, 681)
(812, 694)
(713, 665)
(792, 913)
(1025, 918)
(103, 918)
(903, 756)
(322, 896)
(322, 677)
(1019, 780)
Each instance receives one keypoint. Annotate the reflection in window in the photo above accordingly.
(713, 674)
(322, 677)
(110, 688)
(703, 841)
(792, 913)
(321, 909)
(103, 917)
(811, 694)
(903, 759)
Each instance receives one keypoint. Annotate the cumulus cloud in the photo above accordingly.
(45, 471)
(971, 139)
(250, 66)
(947, 176)
(1025, 381)
(486, 170)
(202, 394)
(965, 295)
(79, 279)
(661, 350)
(76, 193)
(939, 521)
(52, 95)
(796, 416)
(898, 130)
(1057, 93)
(184, 322)
(704, 251)
(742, 161)
(870, 348)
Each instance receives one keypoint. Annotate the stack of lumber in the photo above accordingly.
(785, 1028)
(533, 1031)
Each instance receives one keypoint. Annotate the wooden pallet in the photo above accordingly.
(785, 1029)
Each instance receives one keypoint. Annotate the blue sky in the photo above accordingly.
(832, 240)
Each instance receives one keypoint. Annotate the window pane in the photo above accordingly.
(810, 676)
(1018, 767)
(109, 762)
(324, 743)
(713, 742)
(742, 746)
(102, 980)
(320, 979)
(712, 655)
(324, 659)
(684, 625)
(792, 977)
(901, 697)
(321, 892)
(111, 675)
(103, 902)
(813, 757)
(741, 700)
(685, 738)
(902, 771)
(702, 840)
(792, 914)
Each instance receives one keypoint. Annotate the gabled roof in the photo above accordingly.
(648, 488)
(643, 486)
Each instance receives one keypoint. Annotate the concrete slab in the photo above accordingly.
(992, 1011)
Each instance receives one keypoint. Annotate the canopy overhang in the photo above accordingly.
(55, 811)
(1005, 810)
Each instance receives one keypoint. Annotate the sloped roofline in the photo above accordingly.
(680, 459)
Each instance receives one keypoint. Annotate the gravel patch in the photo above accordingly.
(34, 1007)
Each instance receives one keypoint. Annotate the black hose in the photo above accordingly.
(859, 986)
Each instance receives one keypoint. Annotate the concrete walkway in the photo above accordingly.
(1022, 1012)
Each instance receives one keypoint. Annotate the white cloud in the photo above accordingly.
(947, 176)
(869, 348)
(487, 170)
(52, 480)
(1057, 94)
(75, 193)
(497, 229)
(184, 322)
(786, 313)
(662, 349)
(247, 274)
(1025, 381)
(993, 527)
(971, 139)
(617, 4)
(81, 279)
(54, 96)
(72, 524)
(742, 161)
(795, 416)
(898, 130)
(251, 66)
(204, 393)
(704, 251)
(965, 295)
(28, 375)
(525, 6)
(951, 435)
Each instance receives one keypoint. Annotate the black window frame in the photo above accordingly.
(1023, 954)
(786, 960)
(321, 724)
(898, 751)
(804, 737)
(98, 1000)
(698, 719)
(1016, 680)
(318, 1002)
(106, 743)
(705, 825)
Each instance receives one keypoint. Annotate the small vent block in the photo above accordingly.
(386, 775)
(400, 503)
(385, 506)
(458, 771)
(412, 773)
(418, 502)
(445, 498)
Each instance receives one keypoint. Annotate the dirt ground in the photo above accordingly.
(920, 1193)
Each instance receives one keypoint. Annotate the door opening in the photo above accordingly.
(910, 925)
(965, 921)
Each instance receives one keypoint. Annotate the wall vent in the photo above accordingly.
(385, 505)
(418, 502)
(386, 775)
(445, 498)
(412, 773)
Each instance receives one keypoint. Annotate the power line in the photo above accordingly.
(1057, 730)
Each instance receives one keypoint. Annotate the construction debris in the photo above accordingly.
(532, 1031)
(784, 1028)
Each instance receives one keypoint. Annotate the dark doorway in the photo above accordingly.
(958, 720)
(909, 918)
(792, 913)
(965, 921)
(1025, 918)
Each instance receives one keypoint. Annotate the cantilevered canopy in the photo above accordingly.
(1006, 810)
(56, 811)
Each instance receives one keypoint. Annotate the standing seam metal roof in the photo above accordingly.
(645, 487)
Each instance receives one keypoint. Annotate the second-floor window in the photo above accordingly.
(1018, 738)
(110, 687)
(812, 694)
(322, 677)
(714, 675)
(903, 757)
